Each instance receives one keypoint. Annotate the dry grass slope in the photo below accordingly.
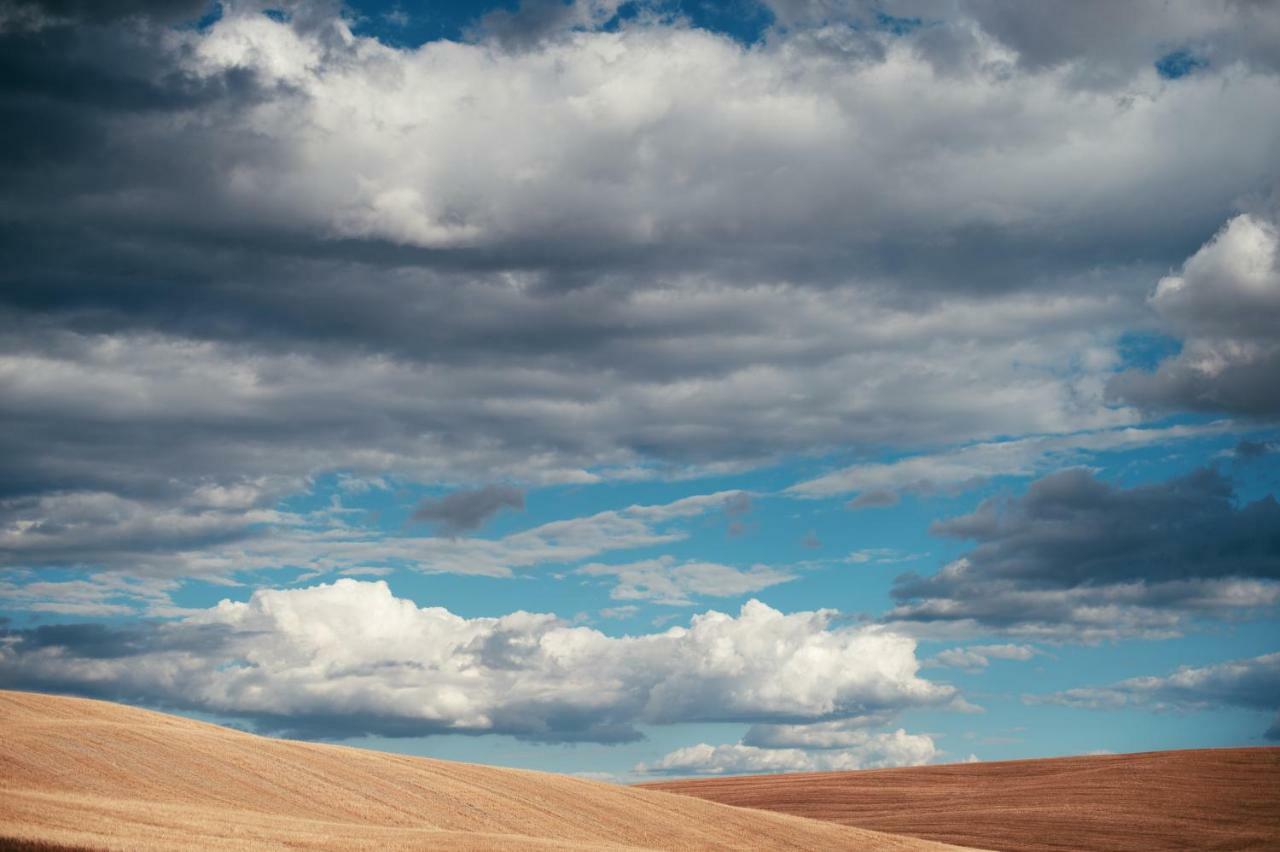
(79, 773)
(1207, 799)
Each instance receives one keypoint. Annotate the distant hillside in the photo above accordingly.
(1207, 799)
(80, 773)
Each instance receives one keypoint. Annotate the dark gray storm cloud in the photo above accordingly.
(1248, 450)
(1076, 554)
(236, 256)
(46, 14)
(462, 511)
(1071, 528)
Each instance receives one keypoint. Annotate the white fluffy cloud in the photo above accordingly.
(862, 751)
(663, 135)
(350, 657)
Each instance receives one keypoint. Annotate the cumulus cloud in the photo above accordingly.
(1077, 557)
(426, 183)
(465, 510)
(350, 658)
(1225, 305)
(865, 751)
(1253, 684)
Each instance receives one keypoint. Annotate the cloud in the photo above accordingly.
(1252, 684)
(533, 21)
(1248, 450)
(870, 751)
(738, 505)
(318, 542)
(963, 468)
(664, 580)
(305, 255)
(880, 556)
(1077, 557)
(1225, 305)
(462, 511)
(23, 15)
(841, 734)
(874, 500)
(1095, 44)
(102, 594)
(413, 185)
(350, 658)
(975, 658)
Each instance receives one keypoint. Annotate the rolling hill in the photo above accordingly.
(1203, 799)
(90, 774)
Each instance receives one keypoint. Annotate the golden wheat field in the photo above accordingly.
(90, 774)
(1204, 799)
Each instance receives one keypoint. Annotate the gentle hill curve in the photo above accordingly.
(82, 773)
(1202, 799)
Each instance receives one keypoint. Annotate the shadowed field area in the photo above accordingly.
(1206, 799)
(79, 773)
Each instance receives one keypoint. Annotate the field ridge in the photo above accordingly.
(1165, 800)
(81, 773)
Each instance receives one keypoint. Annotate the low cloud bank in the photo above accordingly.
(350, 658)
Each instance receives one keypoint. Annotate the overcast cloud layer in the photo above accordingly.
(621, 313)
(653, 246)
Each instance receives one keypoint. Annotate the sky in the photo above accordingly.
(647, 389)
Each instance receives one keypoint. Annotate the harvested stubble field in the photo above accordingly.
(76, 773)
(1213, 799)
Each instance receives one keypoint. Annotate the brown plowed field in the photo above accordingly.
(80, 773)
(1201, 800)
